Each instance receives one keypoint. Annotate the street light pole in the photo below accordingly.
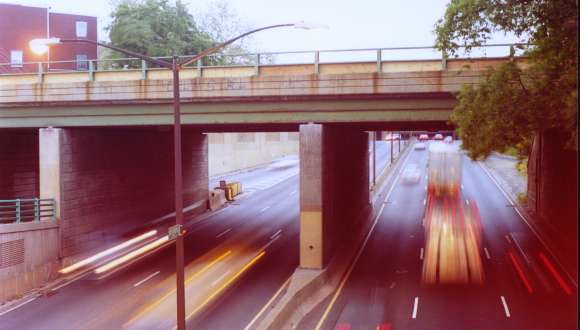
(178, 176)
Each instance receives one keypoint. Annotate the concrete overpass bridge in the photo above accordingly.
(99, 142)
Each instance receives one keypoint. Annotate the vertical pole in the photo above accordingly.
(91, 70)
(379, 61)
(143, 70)
(180, 286)
(18, 211)
(400, 137)
(316, 62)
(36, 210)
(391, 160)
(374, 135)
(257, 64)
(48, 37)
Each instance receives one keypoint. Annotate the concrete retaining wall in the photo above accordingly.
(28, 257)
(109, 181)
(230, 152)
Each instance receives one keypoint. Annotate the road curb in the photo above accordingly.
(308, 288)
(530, 221)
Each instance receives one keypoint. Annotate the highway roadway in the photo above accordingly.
(523, 287)
(236, 259)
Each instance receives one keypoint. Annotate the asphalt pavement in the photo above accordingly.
(523, 288)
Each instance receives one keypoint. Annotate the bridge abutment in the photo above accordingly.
(108, 181)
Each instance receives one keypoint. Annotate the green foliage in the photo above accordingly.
(155, 28)
(522, 167)
(513, 104)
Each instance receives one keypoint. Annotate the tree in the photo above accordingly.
(513, 104)
(156, 28)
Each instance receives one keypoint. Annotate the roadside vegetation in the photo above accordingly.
(513, 104)
(164, 28)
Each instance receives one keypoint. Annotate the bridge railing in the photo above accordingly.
(308, 57)
(27, 210)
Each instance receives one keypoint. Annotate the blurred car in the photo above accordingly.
(438, 137)
(448, 139)
(423, 137)
(393, 136)
(411, 174)
(420, 146)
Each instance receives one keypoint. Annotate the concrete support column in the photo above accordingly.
(334, 190)
(311, 190)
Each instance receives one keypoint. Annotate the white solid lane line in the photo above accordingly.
(415, 306)
(220, 278)
(223, 233)
(18, 306)
(276, 233)
(264, 209)
(505, 307)
(487, 253)
(421, 254)
(146, 279)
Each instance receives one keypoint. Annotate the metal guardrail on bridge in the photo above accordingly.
(256, 60)
(27, 210)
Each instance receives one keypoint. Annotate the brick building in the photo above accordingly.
(20, 24)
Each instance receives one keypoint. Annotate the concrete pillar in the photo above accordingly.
(311, 190)
(334, 190)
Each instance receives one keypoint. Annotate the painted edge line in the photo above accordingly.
(18, 306)
(529, 226)
(268, 303)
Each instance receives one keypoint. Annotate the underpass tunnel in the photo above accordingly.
(108, 181)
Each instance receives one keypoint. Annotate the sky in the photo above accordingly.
(351, 23)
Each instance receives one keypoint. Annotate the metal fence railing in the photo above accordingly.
(310, 57)
(27, 210)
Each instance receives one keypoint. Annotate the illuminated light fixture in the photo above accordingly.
(132, 255)
(309, 25)
(107, 252)
(40, 46)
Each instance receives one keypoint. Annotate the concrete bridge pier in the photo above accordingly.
(334, 190)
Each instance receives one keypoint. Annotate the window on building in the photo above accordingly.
(81, 29)
(16, 58)
(82, 62)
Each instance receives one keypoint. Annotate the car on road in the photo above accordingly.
(420, 146)
(393, 137)
(438, 137)
(423, 137)
(448, 139)
(411, 174)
